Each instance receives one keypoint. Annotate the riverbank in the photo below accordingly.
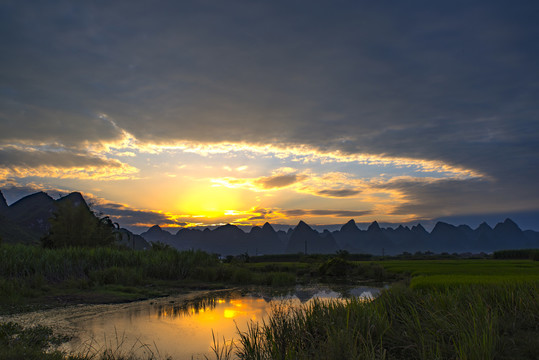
(61, 319)
(32, 278)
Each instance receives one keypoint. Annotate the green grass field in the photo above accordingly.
(441, 274)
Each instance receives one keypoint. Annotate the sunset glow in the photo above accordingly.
(188, 114)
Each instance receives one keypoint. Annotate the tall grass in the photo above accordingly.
(20, 261)
(27, 271)
(466, 322)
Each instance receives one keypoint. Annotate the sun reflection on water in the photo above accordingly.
(184, 329)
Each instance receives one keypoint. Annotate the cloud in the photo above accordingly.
(402, 84)
(335, 213)
(28, 157)
(434, 198)
(278, 181)
(24, 162)
(338, 193)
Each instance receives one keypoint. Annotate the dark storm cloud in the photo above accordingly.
(454, 81)
(13, 157)
(446, 197)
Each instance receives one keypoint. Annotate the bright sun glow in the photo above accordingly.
(209, 201)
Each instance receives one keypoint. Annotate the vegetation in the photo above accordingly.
(28, 272)
(466, 322)
(467, 309)
(532, 254)
(442, 309)
(28, 344)
(77, 226)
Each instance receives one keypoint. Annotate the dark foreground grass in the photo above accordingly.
(30, 275)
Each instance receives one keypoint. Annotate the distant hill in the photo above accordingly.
(27, 220)
(231, 240)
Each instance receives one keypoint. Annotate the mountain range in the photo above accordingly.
(27, 220)
(230, 239)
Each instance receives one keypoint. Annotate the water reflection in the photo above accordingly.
(183, 330)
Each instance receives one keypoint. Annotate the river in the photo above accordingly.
(181, 326)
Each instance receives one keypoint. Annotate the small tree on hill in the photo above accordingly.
(77, 226)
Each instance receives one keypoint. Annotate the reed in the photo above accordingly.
(466, 322)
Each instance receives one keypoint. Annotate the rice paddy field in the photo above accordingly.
(441, 274)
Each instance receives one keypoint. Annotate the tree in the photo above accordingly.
(76, 225)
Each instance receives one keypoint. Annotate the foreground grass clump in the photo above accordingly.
(466, 322)
(28, 344)
(39, 343)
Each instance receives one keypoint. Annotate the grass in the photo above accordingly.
(462, 267)
(466, 322)
(447, 309)
(465, 309)
(30, 275)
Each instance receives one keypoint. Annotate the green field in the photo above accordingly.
(441, 274)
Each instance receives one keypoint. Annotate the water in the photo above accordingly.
(182, 328)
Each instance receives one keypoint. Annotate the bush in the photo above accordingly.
(335, 267)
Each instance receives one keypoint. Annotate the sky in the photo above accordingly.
(195, 113)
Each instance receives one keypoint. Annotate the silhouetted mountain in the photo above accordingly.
(32, 212)
(483, 236)
(300, 238)
(3, 202)
(230, 239)
(27, 220)
(403, 239)
(444, 237)
(132, 241)
(306, 240)
(283, 237)
(376, 241)
(350, 227)
(505, 231)
(266, 240)
(156, 234)
(188, 239)
(350, 238)
(448, 238)
(75, 198)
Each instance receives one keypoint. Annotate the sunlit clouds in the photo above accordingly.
(205, 113)
(194, 188)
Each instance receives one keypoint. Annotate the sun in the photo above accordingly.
(209, 201)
